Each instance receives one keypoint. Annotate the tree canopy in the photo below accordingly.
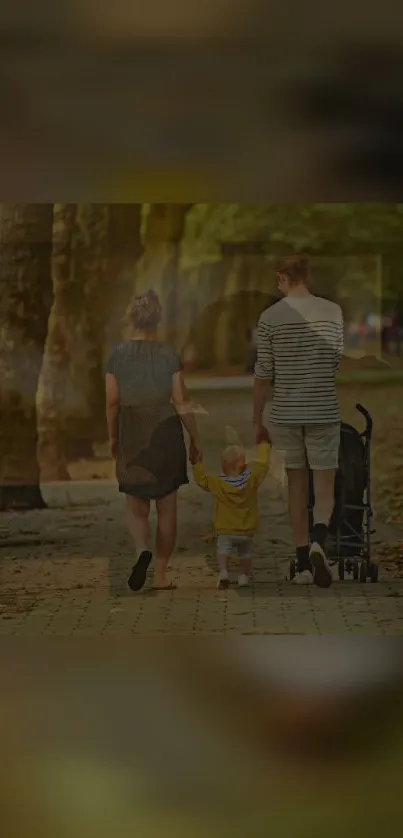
(343, 228)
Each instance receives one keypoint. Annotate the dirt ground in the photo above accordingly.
(64, 570)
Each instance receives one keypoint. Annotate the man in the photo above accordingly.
(299, 348)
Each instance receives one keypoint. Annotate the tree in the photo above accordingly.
(106, 248)
(326, 229)
(158, 268)
(84, 418)
(124, 248)
(356, 251)
(53, 398)
(26, 299)
(95, 250)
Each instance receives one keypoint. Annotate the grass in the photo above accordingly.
(379, 378)
(367, 371)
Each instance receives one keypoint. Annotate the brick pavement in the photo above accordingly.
(67, 577)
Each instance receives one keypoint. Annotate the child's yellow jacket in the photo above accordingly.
(236, 506)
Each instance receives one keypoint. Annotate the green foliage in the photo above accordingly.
(334, 229)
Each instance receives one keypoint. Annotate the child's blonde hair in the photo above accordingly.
(232, 456)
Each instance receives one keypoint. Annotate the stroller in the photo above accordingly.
(350, 525)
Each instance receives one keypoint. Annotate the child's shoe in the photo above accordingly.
(243, 581)
(303, 578)
(223, 580)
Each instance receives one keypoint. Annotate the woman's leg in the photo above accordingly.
(138, 513)
(166, 537)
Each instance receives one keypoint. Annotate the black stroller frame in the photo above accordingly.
(361, 541)
(351, 549)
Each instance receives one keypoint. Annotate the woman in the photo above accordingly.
(147, 404)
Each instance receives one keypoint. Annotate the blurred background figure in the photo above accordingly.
(386, 321)
(392, 332)
(373, 323)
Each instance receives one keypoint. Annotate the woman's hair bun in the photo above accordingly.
(146, 311)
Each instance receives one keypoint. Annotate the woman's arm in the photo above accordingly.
(183, 407)
(112, 409)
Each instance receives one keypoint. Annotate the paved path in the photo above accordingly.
(234, 382)
(63, 572)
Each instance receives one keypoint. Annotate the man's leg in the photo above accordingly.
(289, 441)
(322, 443)
(298, 484)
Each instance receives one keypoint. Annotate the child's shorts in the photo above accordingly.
(227, 545)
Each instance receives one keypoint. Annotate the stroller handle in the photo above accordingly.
(368, 419)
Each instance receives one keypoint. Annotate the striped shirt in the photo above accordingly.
(299, 348)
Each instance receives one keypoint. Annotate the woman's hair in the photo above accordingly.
(145, 312)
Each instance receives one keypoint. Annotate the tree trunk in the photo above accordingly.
(53, 402)
(124, 251)
(224, 336)
(26, 298)
(96, 248)
(85, 420)
(106, 250)
(158, 267)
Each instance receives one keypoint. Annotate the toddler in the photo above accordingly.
(235, 505)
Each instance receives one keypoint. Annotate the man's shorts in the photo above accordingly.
(229, 545)
(314, 445)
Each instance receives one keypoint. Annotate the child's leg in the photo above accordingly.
(245, 566)
(224, 550)
(245, 560)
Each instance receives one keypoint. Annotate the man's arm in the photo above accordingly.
(260, 466)
(340, 342)
(261, 395)
(264, 373)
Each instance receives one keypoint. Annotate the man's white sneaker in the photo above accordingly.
(303, 578)
(322, 574)
(243, 581)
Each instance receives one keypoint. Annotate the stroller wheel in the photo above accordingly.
(293, 569)
(374, 571)
(356, 571)
(363, 571)
(341, 569)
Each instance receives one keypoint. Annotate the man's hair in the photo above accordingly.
(295, 268)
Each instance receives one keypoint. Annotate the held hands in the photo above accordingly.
(261, 434)
(195, 454)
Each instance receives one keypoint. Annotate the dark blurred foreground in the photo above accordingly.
(299, 737)
(189, 100)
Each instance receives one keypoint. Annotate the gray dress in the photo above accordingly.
(151, 457)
